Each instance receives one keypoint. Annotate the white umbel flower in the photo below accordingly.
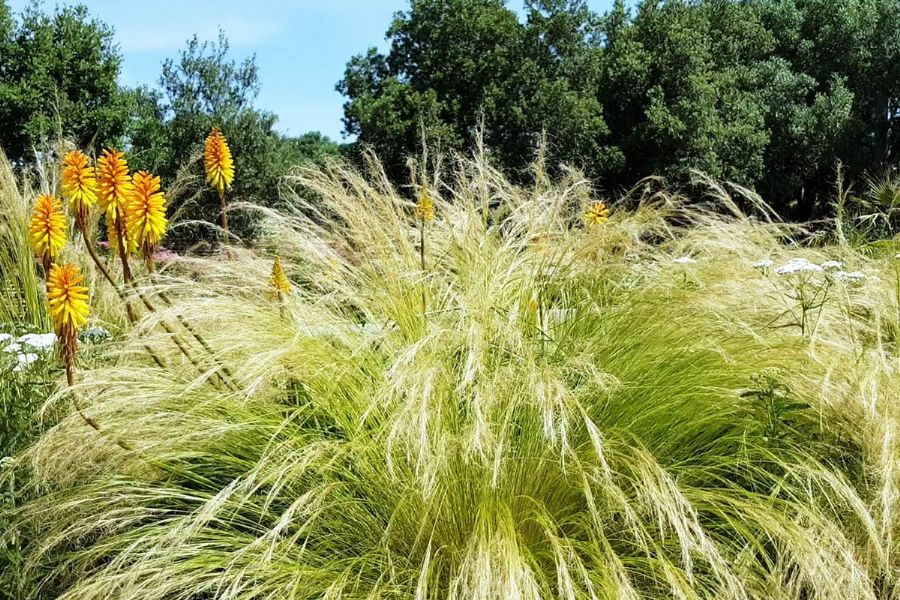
(851, 276)
(23, 360)
(39, 341)
(798, 265)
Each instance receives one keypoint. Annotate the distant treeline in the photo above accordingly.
(772, 94)
(766, 93)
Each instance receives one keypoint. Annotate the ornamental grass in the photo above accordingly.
(576, 412)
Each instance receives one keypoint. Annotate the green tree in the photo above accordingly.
(702, 86)
(853, 48)
(200, 89)
(767, 93)
(58, 75)
(464, 66)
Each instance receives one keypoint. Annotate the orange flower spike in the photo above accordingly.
(425, 206)
(114, 182)
(596, 214)
(146, 216)
(79, 184)
(68, 299)
(48, 229)
(278, 281)
(218, 161)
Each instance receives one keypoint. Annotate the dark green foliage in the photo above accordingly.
(57, 77)
(767, 93)
(456, 67)
(772, 401)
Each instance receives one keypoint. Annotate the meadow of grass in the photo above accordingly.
(668, 404)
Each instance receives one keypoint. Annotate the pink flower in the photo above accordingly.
(164, 255)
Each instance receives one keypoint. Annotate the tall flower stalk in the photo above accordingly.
(115, 190)
(79, 186)
(219, 168)
(67, 300)
(68, 305)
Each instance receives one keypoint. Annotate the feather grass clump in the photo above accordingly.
(531, 409)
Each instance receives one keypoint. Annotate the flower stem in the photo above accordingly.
(68, 351)
(196, 334)
(123, 251)
(422, 261)
(129, 309)
(224, 211)
(177, 340)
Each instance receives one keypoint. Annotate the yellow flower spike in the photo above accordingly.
(79, 183)
(278, 281)
(114, 184)
(596, 214)
(48, 229)
(218, 162)
(425, 206)
(146, 215)
(68, 299)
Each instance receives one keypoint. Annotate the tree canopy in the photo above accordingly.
(58, 76)
(767, 93)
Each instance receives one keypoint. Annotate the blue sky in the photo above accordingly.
(301, 46)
